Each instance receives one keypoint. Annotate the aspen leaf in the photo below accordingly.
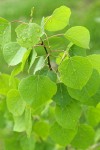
(75, 72)
(58, 20)
(79, 36)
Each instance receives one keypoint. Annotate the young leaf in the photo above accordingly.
(62, 97)
(19, 68)
(88, 90)
(61, 135)
(84, 137)
(75, 72)
(32, 58)
(32, 89)
(15, 103)
(40, 64)
(28, 35)
(16, 71)
(25, 57)
(58, 20)
(13, 53)
(68, 116)
(79, 36)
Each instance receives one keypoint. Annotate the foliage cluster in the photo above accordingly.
(56, 103)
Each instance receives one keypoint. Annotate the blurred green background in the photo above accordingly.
(84, 12)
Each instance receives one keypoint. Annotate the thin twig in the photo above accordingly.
(48, 58)
(18, 21)
(47, 40)
(31, 15)
(66, 53)
(56, 35)
(57, 50)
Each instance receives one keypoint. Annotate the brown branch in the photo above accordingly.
(48, 58)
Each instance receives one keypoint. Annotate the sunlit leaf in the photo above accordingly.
(58, 20)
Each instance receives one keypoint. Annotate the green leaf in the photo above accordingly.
(61, 58)
(95, 61)
(52, 75)
(68, 116)
(88, 90)
(93, 115)
(25, 57)
(41, 128)
(56, 44)
(58, 20)
(79, 36)
(84, 137)
(19, 123)
(37, 90)
(32, 58)
(40, 64)
(15, 103)
(28, 35)
(77, 51)
(62, 97)
(75, 72)
(23, 122)
(17, 69)
(94, 100)
(20, 67)
(49, 73)
(13, 53)
(4, 84)
(5, 32)
(28, 121)
(61, 135)
(27, 143)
